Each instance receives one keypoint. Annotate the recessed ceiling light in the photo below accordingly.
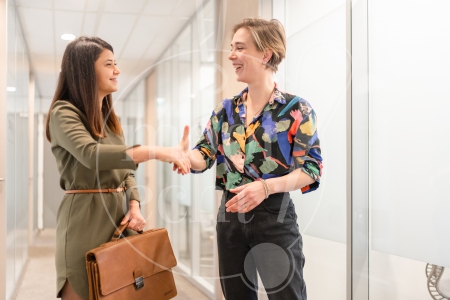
(10, 89)
(68, 37)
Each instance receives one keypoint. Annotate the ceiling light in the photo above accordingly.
(10, 89)
(68, 37)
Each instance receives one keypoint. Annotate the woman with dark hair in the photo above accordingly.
(266, 144)
(95, 165)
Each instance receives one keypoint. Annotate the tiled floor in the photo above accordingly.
(39, 279)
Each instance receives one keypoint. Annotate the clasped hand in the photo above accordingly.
(134, 217)
(179, 154)
(248, 197)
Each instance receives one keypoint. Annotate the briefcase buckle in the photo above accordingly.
(139, 283)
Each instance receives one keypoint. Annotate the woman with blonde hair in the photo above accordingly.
(266, 144)
(95, 165)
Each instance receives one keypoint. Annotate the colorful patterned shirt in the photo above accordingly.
(282, 138)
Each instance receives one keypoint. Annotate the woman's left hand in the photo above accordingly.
(248, 197)
(134, 217)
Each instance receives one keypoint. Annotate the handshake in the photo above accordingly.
(181, 156)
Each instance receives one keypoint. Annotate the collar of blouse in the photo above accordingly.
(275, 99)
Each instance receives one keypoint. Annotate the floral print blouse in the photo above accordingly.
(282, 138)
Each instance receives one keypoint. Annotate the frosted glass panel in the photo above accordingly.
(185, 96)
(316, 70)
(131, 112)
(203, 185)
(409, 77)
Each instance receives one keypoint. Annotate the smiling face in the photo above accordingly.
(106, 72)
(247, 60)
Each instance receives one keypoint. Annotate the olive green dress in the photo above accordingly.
(85, 221)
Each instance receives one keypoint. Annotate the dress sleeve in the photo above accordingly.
(211, 138)
(68, 131)
(130, 184)
(306, 147)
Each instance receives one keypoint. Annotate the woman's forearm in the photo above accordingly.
(291, 182)
(196, 159)
(144, 153)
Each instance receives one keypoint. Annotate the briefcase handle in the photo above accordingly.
(118, 232)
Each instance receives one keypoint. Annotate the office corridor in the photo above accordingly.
(38, 281)
(376, 74)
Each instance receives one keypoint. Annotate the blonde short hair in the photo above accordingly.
(266, 35)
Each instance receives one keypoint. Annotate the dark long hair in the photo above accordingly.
(78, 84)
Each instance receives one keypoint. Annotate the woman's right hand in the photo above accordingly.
(179, 154)
(180, 160)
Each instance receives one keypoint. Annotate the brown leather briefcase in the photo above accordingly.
(132, 268)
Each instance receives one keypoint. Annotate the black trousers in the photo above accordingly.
(266, 240)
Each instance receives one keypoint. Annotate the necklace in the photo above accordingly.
(259, 110)
(257, 113)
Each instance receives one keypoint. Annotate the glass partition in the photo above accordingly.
(409, 149)
(203, 96)
(179, 196)
(131, 111)
(315, 69)
(18, 70)
(185, 96)
(174, 100)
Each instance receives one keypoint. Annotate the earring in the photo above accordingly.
(264, 64)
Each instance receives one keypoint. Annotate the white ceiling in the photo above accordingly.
(138, 30)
